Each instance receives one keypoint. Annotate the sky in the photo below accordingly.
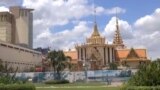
(60, 24)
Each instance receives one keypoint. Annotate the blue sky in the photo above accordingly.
(60, 24)
(134, 10)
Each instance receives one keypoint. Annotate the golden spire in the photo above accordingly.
(95, 36)
(95, 28)
(95, 31)
(117, 37)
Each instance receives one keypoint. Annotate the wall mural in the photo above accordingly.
(98, 75)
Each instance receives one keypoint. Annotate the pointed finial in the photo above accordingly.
(95, 28)
(94, 11)
(116, 12)
(117, 27)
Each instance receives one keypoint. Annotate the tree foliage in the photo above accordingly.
(5, 74)
(147, 75)
(59, 61)
(113, 66)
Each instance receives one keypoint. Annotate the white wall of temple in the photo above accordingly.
(17, 56)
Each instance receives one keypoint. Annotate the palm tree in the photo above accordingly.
(59, 62)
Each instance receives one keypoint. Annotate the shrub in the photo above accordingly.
(7, 74)
(147, 75)
(57, 82)
(141, 88)
(17, 87)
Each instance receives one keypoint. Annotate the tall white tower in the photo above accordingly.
(24, 26)
(6, 27)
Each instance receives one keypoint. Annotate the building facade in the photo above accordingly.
(16, 39)
(16, 26)
(24, 25)
(19, 57)
(6, 27)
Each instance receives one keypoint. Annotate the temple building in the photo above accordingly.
(97, 54)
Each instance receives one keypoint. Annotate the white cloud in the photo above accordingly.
(115, 10)
(110, 11)
(64, 39)
(3, 8)
(147, 32)
(51, 13)
(149, 23)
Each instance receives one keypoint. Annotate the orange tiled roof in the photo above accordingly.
(123, 53)
(73, 55)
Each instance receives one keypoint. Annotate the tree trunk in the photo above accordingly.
(58, 75)
(54, 72)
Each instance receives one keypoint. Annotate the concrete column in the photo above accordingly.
(79, 53)
(84, 58)
(113, 55)
(106, 49)
(110, 52)
(85, 54)
(104, 56)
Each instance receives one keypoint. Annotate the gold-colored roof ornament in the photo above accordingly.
(95, 31)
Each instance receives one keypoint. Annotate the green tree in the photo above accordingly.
(113, 66)
(59, 62)
(5, 76)
(147, 75)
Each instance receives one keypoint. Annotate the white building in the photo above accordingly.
(17, 56)
(23, 26)
(6, 27)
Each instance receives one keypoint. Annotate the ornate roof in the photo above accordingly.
(132, 54)
(128, 53)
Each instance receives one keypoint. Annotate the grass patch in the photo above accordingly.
(79, 88)
(76, 86)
